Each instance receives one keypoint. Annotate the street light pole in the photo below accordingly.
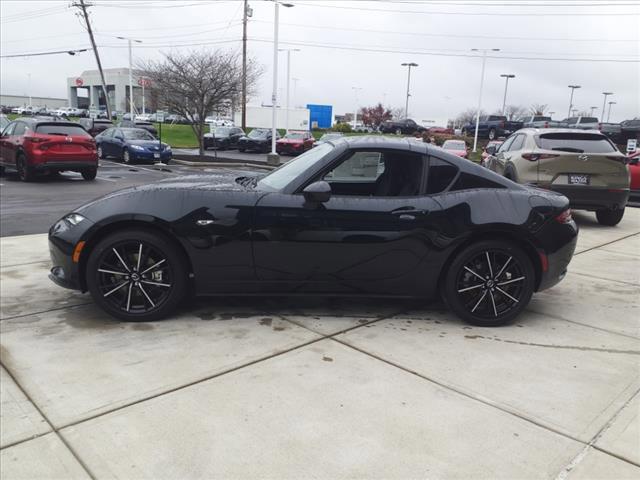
(506, 76)
(593, 109)
(572, 87)
(609, 114)
(484, 59)
(129, 40)
(355, 110)
(286, 113)
(604, 102)
(406, 105)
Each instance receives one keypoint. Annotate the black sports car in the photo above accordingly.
(359, 216)
(223, 138)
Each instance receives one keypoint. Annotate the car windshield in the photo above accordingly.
(294, 136)
(575, 142)
(280, 178)
(66, 130)
(453, 145)
(221, 131)
(137, 134)
(257, 133)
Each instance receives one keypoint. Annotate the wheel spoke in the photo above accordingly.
(471, 271)
(121, 260)
(153, 267)
(156, 283)
(493, 302)
(112, 272)
(116, 289)
(489, 263)
(506, 294)
(470, 288)
(511, 281)
(129, 297)
(503, 267)
(479, 301)
(139, 257)
(145, 294)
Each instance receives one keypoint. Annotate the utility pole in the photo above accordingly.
(506, 76)
(83, 7)
(286, 114)
(355, 109)
(593, 109)
(247, 13)
(484, 60)
(406, 105)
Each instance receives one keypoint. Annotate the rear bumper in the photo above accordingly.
(558, 261)
(593, 198)
(55, 165)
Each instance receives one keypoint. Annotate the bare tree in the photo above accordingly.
(538, 108)
(468, 116)
(199, 82)
(398, 113)
(374, 116)
(515, 111)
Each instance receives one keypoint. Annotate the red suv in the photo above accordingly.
(34, 145)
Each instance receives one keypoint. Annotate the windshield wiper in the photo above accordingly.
(568, 149)
(247, 181)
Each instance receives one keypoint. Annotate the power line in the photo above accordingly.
(38, 54)
(446, 35)
(515, 3)
(476, 14)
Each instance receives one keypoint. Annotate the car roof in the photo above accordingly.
(539, 131)
(42, 120)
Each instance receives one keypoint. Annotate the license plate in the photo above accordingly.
(156, 155)
(579, 179)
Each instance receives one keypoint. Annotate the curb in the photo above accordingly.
(222, 164)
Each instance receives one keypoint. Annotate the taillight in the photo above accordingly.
(534, 157)
(546, 124)
(564, 217)
(35, 139)
(600, 126)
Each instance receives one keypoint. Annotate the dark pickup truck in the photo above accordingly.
(406, 127)
(492, 127)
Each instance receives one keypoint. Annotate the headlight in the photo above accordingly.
(137, 147)
(74, 218)
(167, 148)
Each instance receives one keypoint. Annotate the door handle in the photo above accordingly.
(406, 217)
(408, 211)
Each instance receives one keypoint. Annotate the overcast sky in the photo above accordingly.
(360, 44)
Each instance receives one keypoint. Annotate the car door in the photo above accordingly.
(352, 243)
(106, 141)
(6, 157)
(499, 159)
(235, 136)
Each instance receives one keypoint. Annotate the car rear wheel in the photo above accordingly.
(489, 283)
(609, 218)
(89, 173)
(136, 275)
(24, 172)
(100, 153)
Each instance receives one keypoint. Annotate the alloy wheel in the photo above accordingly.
(126, 157)
(100, 152)
(134, 277)
(491, 284)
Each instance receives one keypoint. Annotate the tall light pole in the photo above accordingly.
(484, 59)
(551, 114)
(129, 40)
(29, 87)
(406, 105)
(604, 102)
(506, 76)
(286, 113)
(274, 93)
(572, 87)
(593, 109)
(609, 114)
(295, 89)
(355, 110)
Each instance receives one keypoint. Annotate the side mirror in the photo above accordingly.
(317, 192)
(119, 137)
(634, 161)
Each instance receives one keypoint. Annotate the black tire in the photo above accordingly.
(1, 171)
(100, 152)
(492, 134)
(25, 173)
(510, 173)
(489, 302)
(241, 150)
(609, 218)
(130, 300)
(89, 173)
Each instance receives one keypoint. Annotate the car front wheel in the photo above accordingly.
(136, 275)
(489, 283)
(126, 156)
(609, 218)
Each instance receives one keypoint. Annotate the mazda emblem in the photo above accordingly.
(583, 158)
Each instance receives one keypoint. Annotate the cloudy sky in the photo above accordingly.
(547, 44)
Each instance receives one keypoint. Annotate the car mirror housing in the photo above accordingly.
(317, 192)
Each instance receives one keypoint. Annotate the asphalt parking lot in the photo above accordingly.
(317, 388)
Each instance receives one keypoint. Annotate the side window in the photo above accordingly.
(9, 130)
(505, 146)
(440, 175)
(20, 129)
(108, 133)
(517, 143)
(361, 166)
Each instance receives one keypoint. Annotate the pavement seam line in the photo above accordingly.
(607, 279)
(484, 401)
(45, 311)
(575, 461)
(607, 243)
(46, 419)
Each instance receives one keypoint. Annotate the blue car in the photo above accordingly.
(132, 145)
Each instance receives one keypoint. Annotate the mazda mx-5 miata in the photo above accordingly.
(365, 216)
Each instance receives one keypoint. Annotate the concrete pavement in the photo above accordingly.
(325, 388)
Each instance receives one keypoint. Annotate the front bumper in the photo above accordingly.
(593, 198)
(150, 156)
(259, 147)
(289, 149)
(63, 239)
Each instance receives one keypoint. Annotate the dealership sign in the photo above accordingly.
(79, 82)
(144, 82)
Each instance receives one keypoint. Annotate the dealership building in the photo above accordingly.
(85, 90)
